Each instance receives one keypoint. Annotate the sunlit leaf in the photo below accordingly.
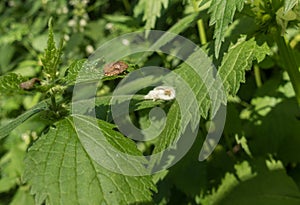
(239, 59)
(222, 13)
(151, 10)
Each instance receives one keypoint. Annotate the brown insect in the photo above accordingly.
(115, 68)
(28, 85)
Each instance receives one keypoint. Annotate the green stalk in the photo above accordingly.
(53, 102)
(200, 25)
(201, 30)
(290, 64)
(127, 6)
(257, 76)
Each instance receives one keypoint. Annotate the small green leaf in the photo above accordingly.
(151, 9)
(239, 59)
(244, 144)
(83, 71)
(222, 13)
(72, 71)
(184, 23)
(61, 167)
(283, 18)
(6, 129)
(52, 55)
(10, 84)
(177, 28)
(289, 4)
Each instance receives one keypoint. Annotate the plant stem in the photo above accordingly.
(290, 63)
(200, 25)
(201, 29)
(257, 75)
(53, 102)
(127, 6)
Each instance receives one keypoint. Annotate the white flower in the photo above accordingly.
(71, 23)
(11, 3)
(89, 49)
(66, 37)
(161, 93)
(82, 22)
(85, 2)
(65, 10)
(109, 26)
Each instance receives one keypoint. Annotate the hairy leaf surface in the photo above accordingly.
(289, 4)
(151, 9)
(61, 170)
(222, 13)
(239, 59)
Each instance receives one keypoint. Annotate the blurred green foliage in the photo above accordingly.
(256, 161)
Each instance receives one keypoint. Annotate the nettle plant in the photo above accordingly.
(60, 169)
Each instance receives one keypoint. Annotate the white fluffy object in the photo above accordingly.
(161, 93)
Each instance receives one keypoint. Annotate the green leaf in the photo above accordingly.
(11, 162)
(232, 72)
(171, 130)
(268, 186)
(229, 181)
(80, 71)
(15, 33)
(177, 28)
(6, 129)
(6, 62)
(10, 84)
(239, 59)
(289, 4)
(184, 23)
(151, 9)
(200, 91)
(274, 188)
(72, 71)
(52, 55)
(269, 113)
(222, 13)
(244, 144)
(183, 116)
(283, 18)
(61, 167)
(22, 197)
(203, 85)
(7, 183)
